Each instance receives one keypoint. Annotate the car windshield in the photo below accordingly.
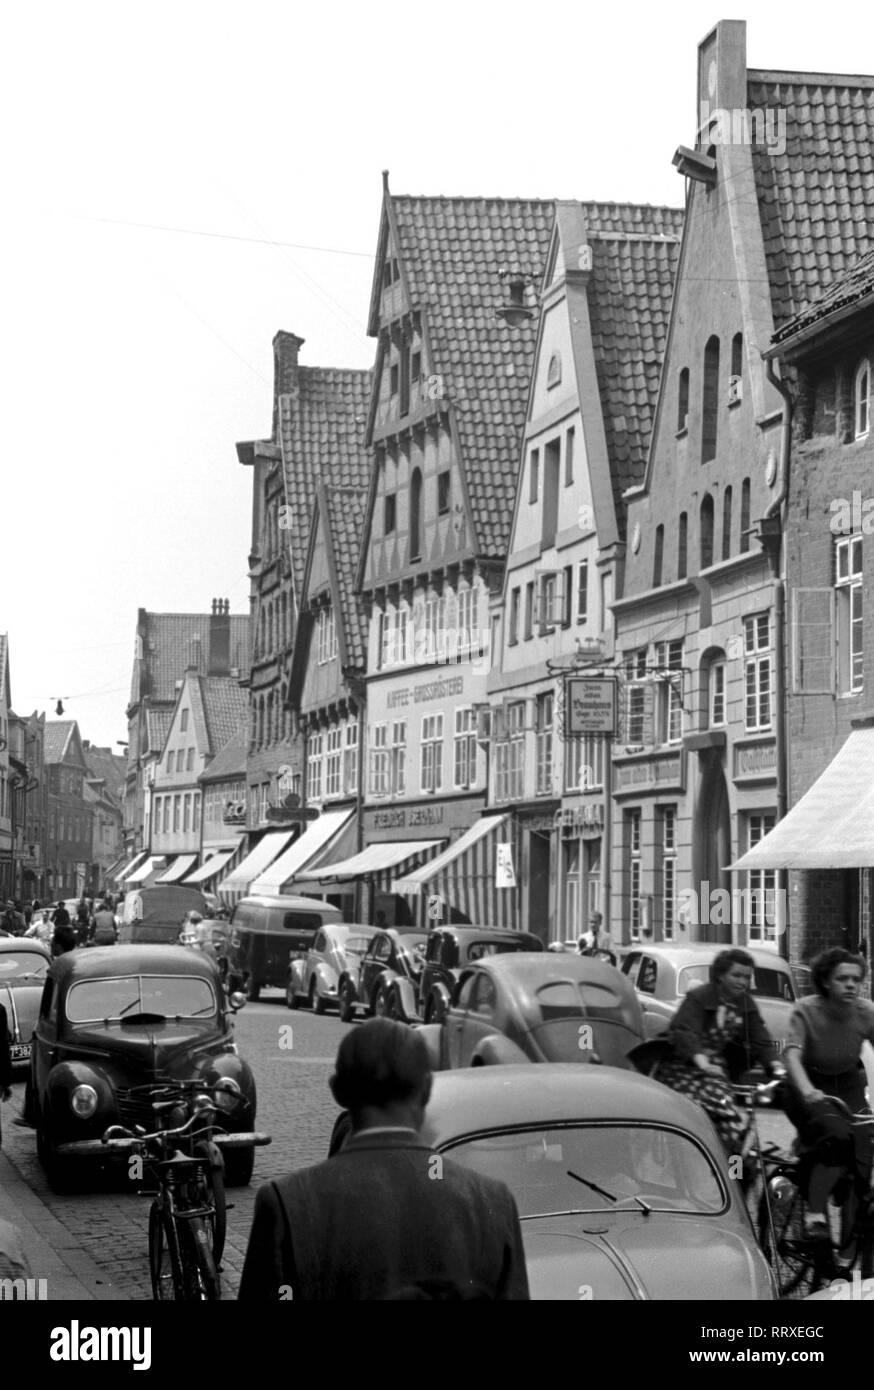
(590, 1167)
(22, 967)
(127, 996)
(478, 949)
(767, 983)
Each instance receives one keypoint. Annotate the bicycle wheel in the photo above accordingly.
(200, 1277)
(165, 1265)
(800, 1266)
(212, 1194)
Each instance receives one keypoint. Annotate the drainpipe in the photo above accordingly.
(777, 508)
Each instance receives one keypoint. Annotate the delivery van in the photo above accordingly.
(156, 914)
(266, 933)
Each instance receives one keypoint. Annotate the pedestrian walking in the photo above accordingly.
(60, 916)
(103, 928)
(385, 1218)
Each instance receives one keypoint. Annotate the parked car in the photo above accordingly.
(448, 951)
(24, 962)
(113, 1022)
(621, 1184)
(316, 976)
(546, 1007)
(391, 954)
(663, 975)
(155, 915)
(264, 930)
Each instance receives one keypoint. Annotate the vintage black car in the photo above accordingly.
(367, 984)
(448, 951)
(113, 1022)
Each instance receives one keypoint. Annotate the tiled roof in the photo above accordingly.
(57, 736)
(629, 305)
(451, 251)
(815, 198)
(172, 642)
(322, 428)
(102, 762)
(226, 707)
(848, 289)
(346, 514)
(229, 761)
(158, 726)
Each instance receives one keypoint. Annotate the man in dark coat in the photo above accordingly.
(385, 1218)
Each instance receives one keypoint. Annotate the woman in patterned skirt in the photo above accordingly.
(716, 1034)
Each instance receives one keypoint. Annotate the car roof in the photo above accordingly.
(292, 902)
(23, 943)
(472, 1099)
(530, 969)
(102, 961)
(469, 933)
(702, 952)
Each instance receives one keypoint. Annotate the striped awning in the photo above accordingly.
(151, 863)
(465, 876)
(178, 869)
(294, 860)
(211, 866)
(131, 865)
(238, 883)
(118, 867)
(376, 861)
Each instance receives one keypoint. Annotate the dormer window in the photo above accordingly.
(862, 400)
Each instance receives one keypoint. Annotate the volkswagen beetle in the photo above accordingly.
(114, 1022)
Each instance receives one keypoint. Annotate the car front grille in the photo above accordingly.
(134, 1104)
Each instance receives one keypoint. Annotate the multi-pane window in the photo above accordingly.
(468, 630)
(177, 812)
(848, 614)
(350, 758)
(633, 842)
(263, 800)
(334, 763)
(584, 763)
(166, 820)
(635, 705)
(464, 747)
(582, 591)
(543, 743)
(379, 759)
(326, 641)
(669, 658)
(315, 745)
(510, 752)
(186, 812)
(668, 818)
(546, 601)
(862, 400)
(435, 627)
(757, 672)
(762, 887)
(431, 769)
(399, 757)
(717, 695)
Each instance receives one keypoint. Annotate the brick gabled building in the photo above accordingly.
(779, 189)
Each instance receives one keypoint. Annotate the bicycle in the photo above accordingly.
(188, 1215)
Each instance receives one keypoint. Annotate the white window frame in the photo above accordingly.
(315, 751)
(634, 841)
(469, 637)
(636, 679)
(326, 638)
(758, 672)
(584, 764)
(849, 632)
(862, 400)
(334, 762)
(668, 827)
(398, 757)
(716, 698)
(464, 748)
(431, 748)
(669, 657)
(761, 886)
(377, 740)
(543, 742)
(350, 758)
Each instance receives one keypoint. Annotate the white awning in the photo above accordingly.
(238, 883)
(178, 869)
(130, 866)
(376, 859)
(832, 826)
(210, 867)
(465, 876)
(295, 859)
(153, 862)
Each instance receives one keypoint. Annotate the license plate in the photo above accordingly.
(20, 1052)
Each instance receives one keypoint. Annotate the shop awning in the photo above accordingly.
(238, 883)
(464, 875)
(115, 869)
(294, 860)
(210, 867)
(151, 863)
(130, 866)
(377, 859)
(832, 826)
(178, 869)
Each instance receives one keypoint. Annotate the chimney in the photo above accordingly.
(219, 659)
(286, 347)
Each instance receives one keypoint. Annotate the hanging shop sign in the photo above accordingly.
(589, 705)
(505, 874)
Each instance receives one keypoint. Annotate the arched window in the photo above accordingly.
(710, 400)
(726, 524)
(657, 556)
(683, 399)
(682, 539)
(862, 399)
(737, 366)
(416, 515)
(745, 516)
(705, 522)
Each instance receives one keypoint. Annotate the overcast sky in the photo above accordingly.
(149, 151)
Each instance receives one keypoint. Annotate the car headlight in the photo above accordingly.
(83, 1101)
(227, 1093)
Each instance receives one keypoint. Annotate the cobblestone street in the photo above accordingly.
(294, 1106)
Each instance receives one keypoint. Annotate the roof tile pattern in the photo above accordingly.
(225, 707)
(854, 285)
(815, 198)
(322, 428)
(229, 761)
(158, 723)
(175, 641)
(56, 739)
(346, 515)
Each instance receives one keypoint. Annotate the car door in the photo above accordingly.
(479, 1021)
(45, 1037)
(372, 966)
(456, 1015)
(650, 983)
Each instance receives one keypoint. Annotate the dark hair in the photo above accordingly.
(380, 1063)
(63, 939)
(823, 966)
(722, 963)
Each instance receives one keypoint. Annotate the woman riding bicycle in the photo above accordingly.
(717, 1034)
(823, 1063)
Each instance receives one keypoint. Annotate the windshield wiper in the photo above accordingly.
(602, 1192)
(132, 1005)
